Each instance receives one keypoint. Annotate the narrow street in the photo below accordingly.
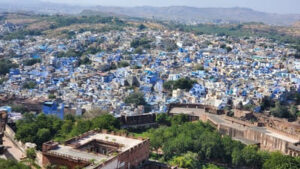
(12, 151)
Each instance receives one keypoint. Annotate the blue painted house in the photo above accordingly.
(53, 108)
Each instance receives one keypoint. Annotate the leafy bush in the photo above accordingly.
(141, 42)
(85, 61)
(136, 98)
(31, 62)
(42, 128)
(29, 85)
(123, 64)
(22, 34)
(183, 83)
(5, 66)
(11, 164)
(187, 144)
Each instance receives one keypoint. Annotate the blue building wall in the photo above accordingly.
(53, 108)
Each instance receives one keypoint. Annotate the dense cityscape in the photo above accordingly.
(115, 92)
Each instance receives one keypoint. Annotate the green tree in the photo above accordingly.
(211, 148)
(123, 64)
(237, 158)
(280, 111)
(141, 42)
(106, 121)
(139, 50)
(5, 66)
(29, 84)
(156, 138)
(187, 160)
(66, 127)
(31, 62)
(19, 108)
(84, 61)
(51, 96)
(183, 83)
(31, 153)
(251, 157)
(179, 119)
(229, 145)
(211, 166)
(43, 135)
(293, 112)
(199, 67)
(163, 118)
(11, 164)
(279, 161)
(135, 98)
(141, 27)
(81, 126)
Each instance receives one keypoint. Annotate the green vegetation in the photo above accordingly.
(239, 31)
(31, 62)
(92, 50)
(29, 84)
(163, 119)
(51, 96)
(199, 67)
(123, 64)
(70, 53)
(193, 145)
(135, 67)
(139, 50)
(141, 42)
(141, 27)
(62, 21)
(183, 83)
(135, 98)
(19, 108)
(31, 153)
(188, 160)
(77, 53)
(69, 34)
(5, 65)
(2, 80)
(11, 164)
(21, 34)
(277, 160)
(85, 61)
(169, 45)
(42, 128)
(283, 109)
(227, 48)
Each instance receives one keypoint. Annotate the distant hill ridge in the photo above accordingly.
(197, 15)
(182, 14)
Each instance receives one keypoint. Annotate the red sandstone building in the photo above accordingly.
(97, 150)
(269, 134)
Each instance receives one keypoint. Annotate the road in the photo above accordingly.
(12, 152)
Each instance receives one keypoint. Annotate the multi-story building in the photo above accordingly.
(95, 150)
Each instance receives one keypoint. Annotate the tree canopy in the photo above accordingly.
(5, 65)
(183, 83)
(193, 145)
(11, 164)
(135, 98)
(42, 128)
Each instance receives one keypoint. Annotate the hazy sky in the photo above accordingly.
(274, 6)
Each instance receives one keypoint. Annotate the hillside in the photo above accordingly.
(200, 15)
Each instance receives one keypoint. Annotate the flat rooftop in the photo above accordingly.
(126, 142)
(77, 154)
(74, 151)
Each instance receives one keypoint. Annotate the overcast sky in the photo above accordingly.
(274, 6)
